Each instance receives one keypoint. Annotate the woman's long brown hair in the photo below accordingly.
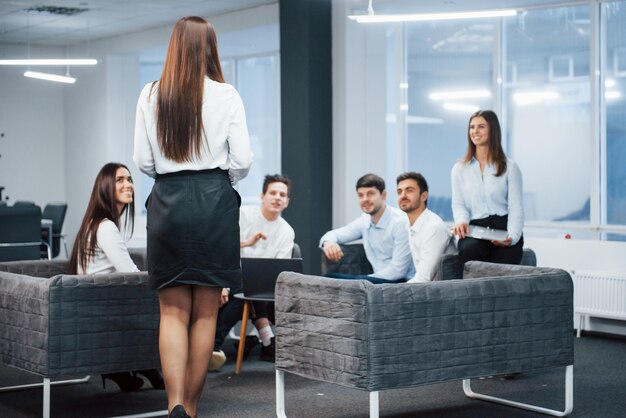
(102, 205)
(191, 55)
(496, 153)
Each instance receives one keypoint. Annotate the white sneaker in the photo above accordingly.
(218, 358)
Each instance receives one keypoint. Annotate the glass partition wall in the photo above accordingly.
(555, 76)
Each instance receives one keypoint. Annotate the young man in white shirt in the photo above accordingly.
(384, 233)
(263, 233)
(429, 237)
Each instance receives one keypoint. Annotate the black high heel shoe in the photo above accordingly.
(124, 380)
(153, 375)
(178, 412)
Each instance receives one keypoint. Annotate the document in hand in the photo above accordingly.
(480, 232)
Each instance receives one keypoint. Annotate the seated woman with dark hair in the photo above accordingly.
(100, 247)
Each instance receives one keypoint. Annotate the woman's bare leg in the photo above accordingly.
(206, 303)
(175, 304)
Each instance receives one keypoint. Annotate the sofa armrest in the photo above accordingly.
(36, 268)
(354, 261)
(474, 269)
(24, 305)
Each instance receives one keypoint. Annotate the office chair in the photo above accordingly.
(56, 213)
(24, 203)
(20, 233)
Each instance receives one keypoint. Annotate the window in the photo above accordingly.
(449, 73)
(258, 82)
(614, 90)
(535, 70)
(548, 119)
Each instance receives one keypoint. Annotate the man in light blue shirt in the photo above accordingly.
(384, 233)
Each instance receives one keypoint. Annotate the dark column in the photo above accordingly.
(306, 116)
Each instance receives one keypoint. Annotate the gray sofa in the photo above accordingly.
(57, 325)
(499, 319)
(449, 266)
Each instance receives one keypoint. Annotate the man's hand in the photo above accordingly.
(254, 238)
(224, 297)
(332, 251)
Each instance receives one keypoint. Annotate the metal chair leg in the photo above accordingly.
(280, 394)
(569, 397)
(242, 335)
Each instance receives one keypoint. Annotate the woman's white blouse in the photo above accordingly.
(111, 253)
(226, 144)
(476, 195)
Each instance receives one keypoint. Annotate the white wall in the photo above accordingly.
(359, 110)
(32, 157)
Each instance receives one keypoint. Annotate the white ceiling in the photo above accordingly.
(104, 18)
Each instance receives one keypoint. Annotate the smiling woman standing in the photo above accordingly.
(487, 191)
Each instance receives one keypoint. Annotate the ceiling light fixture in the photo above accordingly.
(460, 107)
(612, 95)
(532, 97)
(49, 62)
(50, 77)
(460, 94)
(370, 17)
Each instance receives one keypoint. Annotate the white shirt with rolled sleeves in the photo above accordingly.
(226, 145)
(429, 239)
(386, 243)
(477, 196)
(111, 254)
(280, 235)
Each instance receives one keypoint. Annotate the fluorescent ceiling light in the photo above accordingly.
(459, 107)
(415, 120)
(609, 82)
(531, 97)
(50, 77)
(612, 95)
(35, 62)
(461, 94)
(420, 17)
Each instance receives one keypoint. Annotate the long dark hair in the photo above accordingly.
(102, 205)
(191, 55)
(496, 153)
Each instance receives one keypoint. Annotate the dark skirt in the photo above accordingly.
(483, 250)
(193, 230)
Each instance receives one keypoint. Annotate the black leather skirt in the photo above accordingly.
(193, 230)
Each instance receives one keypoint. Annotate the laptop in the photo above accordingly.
(480, 232)
(259, 274)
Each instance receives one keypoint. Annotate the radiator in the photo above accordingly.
(599, 294)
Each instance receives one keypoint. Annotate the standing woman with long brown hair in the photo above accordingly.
(191, 136)
(487, 191)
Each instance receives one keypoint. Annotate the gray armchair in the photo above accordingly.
(499, 319)
(57, 325)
